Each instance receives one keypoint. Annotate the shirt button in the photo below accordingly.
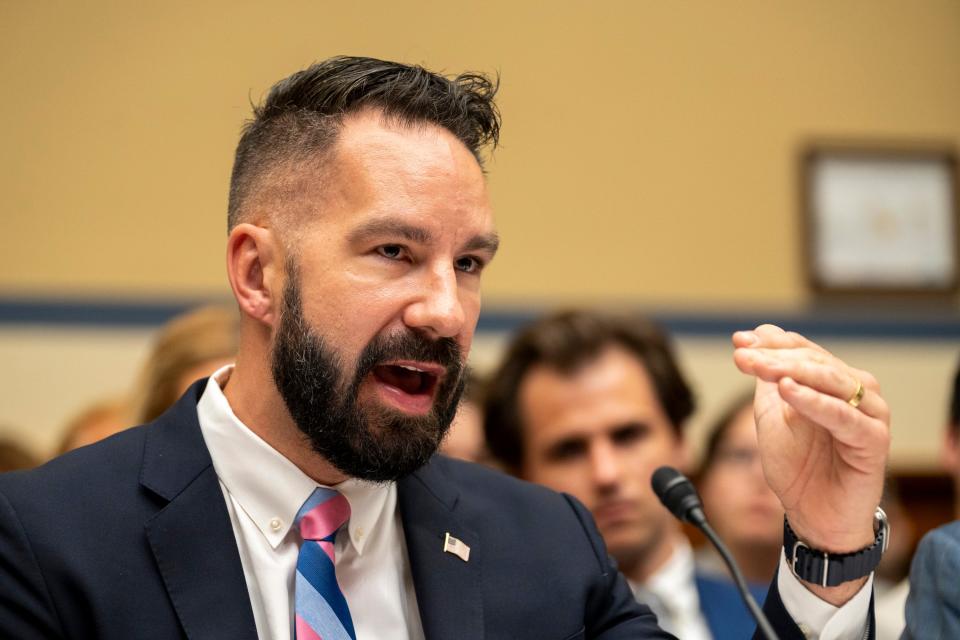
(359, 532)
(275, 524)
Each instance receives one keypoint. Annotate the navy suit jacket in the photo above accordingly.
(933, 606)
(130, 538)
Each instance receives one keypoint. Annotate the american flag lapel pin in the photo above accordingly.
(456, 547)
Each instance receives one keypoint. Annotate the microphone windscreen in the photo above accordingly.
(675, 492)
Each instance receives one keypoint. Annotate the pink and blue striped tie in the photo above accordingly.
(321, 609)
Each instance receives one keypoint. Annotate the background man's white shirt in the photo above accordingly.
(672, 594)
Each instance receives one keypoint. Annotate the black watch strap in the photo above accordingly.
(832, 569)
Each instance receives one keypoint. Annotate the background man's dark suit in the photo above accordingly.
(933, 606)
(131, 539)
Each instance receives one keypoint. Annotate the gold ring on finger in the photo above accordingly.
(857, 396)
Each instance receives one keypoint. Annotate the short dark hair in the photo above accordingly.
(718, 431)
(302, 114)
(566, 341)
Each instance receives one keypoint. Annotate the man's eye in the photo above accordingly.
(391, 251)
(630, 434)
(566, 451)
(469, 264)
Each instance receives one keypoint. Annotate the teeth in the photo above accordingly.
(409, 368)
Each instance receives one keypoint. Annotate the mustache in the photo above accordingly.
(411, 345)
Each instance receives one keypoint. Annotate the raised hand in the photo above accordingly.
(824, 434)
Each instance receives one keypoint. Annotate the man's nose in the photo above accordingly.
(437, 309)
(605, 465)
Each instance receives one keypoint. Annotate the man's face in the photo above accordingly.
(598, 435)
(382, 296)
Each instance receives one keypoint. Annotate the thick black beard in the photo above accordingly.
(369, 442)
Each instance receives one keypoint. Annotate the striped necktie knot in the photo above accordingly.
(322, 515)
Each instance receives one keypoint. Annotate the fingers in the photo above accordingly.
(819, 371)
(773, 337)
(772, 355)
(851, 427)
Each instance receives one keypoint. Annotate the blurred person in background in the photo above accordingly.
(591, 404)
(190, 346)
(745, 513)
(933, 604)
(14, 456)
(951, 442)
(465, 439)
(96, 422)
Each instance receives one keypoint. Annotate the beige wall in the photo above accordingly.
(648, 156)
(648, 147)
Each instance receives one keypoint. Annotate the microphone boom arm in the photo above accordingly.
(678, 495)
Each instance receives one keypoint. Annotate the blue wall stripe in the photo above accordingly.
(881, 324)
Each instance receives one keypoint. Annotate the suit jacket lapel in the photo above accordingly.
(191, 537)
(448, 589)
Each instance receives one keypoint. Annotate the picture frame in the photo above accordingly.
(881, 220)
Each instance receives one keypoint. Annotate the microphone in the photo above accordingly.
(680, 497)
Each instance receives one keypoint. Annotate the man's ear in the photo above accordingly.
(255, 269)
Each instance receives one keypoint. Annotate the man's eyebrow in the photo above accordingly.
(487, 242)
(385, 227)
(375, 228)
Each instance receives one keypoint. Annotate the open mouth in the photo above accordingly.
(409, 386)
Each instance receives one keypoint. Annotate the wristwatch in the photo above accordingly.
(832, 569)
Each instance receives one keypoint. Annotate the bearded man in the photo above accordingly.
(296, 494)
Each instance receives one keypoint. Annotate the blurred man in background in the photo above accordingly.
(591, 405)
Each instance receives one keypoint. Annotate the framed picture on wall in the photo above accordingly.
(880, 220)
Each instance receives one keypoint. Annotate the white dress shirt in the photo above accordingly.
(821, 620)
(672, 594)
(890, 604)
(263, 493)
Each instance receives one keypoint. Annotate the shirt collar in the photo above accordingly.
(674, 583)
(269, 488)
